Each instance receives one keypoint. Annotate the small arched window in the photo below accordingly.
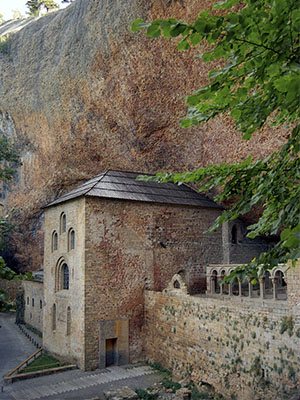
(54, 244)
(65, 277)
(176, 284)
(62, 223)
(32, 302)
(54, 317)
(71, 239)
(234, 235)
(41, 304)
(215, 282)
(68, 321)
(27, 300)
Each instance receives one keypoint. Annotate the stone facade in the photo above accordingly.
(122, 247)
(243, 346)
(64, 323)
(237, 247)
(131, 246)
(34, 302)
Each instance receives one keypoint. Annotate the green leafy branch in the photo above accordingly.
(258, 83)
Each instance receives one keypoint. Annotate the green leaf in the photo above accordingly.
(236, 113)
(183, 45)
(195, 38)
(153, 31)
(285, 234)
(135, 25)
(207, 57)
(200, 26)
(281, 84)
(274, 69)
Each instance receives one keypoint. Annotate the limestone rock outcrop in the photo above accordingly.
(79, 93)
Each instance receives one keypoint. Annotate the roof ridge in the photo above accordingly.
(97, 181)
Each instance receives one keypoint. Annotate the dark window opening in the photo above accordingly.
(234, 235)
(176, 285)
(63, 223)
(54, 317)
(65, 276)
(54, 241)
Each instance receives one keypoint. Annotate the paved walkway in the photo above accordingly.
(14, 346)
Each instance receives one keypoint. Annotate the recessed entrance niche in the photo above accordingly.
(113, 343)
(111, 354)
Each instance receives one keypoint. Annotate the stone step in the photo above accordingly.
(112, 374)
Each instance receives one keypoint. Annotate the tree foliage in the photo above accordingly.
(258, 84)
(35, 6)
(8, 274)
(9, 159)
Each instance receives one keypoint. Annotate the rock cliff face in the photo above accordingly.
(80, 94)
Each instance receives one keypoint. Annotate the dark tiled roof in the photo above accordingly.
(124, 186)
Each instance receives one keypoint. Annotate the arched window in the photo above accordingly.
(280, 285)
(63, 223)
(62, 275)
(225, 287)
(32, 302)
(68, 321)
(54, 244)
(215, 282)
(41, 304)
(268, 284)
(54, 317)
(65, 277)
(234, 235)
(280, 279)
(71, 239)
(27, 300)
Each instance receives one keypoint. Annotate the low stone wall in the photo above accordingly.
(249, 348)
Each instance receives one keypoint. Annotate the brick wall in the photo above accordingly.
(133, 245)
(249, 348)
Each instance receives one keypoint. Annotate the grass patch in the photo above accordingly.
(44, 361)
(34, 330)
(169, 384)
(143, 394)
(159, 367)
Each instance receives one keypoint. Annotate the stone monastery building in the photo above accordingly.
(110, 239)
(130, 274)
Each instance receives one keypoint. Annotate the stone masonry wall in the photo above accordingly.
(34, 302)
(248, 348)
(132, 245)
